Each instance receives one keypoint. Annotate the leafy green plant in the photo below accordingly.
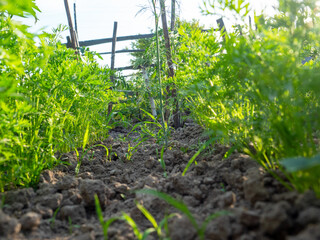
(50, 101)
(253, 92)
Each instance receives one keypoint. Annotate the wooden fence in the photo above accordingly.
(74, 43)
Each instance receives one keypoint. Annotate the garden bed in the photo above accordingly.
(253, 205)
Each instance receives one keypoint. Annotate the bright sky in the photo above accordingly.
(95, 19)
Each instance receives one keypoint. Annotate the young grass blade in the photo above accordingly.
(173, 202)
(147, 233)
(78, 162)
(98, 145)
(134, 226)
(203, 147)
(164, 223)
(105, 225)
(100, 215)
(162, 162)
(151, 219)
(150, 115)
(86, 137)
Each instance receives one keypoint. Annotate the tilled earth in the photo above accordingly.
(63, 206)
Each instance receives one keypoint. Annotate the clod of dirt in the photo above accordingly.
(30, 221)
(249, 218)
(311, 233)
(309, 216)
(88, 188)
(234, 178)
(45, 212)
(254, 189)
(306, 200)
(76, 213)
(226, 200)
(180, 228)
(52, 201)
(219, 229)
(9, 226)
(67, 182)
(275, 219)
(22, 196)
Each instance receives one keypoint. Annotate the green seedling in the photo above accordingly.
(136, 231)
(104, 224)
(179, 205)
(162, 162)
(53, 219)
(79, 159)
(157, 228)
(72, 226)
(204, 146)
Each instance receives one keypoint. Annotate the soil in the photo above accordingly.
(63, 207)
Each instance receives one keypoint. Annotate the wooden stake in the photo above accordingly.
(75, 19)
(173, 92)
(173, 14)
(113, 55)
(74, 40)
(222, 28)
(113, 51)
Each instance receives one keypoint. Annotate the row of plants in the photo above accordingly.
(50, 100)
(253, 91)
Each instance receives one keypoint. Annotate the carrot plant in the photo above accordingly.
(254, 92)
(50, 101)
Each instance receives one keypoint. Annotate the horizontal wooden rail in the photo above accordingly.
(109, 40)
(133, 68)
(124, 38)
(124, 51)
(125, 76)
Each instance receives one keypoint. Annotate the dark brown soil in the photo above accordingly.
(63, 207)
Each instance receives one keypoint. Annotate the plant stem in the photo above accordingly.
(156, 18)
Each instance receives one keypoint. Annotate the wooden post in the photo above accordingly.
(75, 19)
(113, 56)
(74, 40)
(113, 51)
(240, 29)
(166, 38)
(222, 28)
(173, 92)
(173, 14)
